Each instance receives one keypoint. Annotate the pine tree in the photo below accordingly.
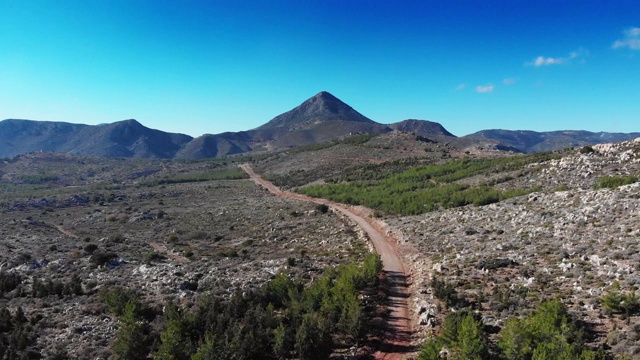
(313, 341)
(212, 349)
(131, 340)
(176, 344)
(471, 344)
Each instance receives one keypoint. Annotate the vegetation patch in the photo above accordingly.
(616, 302)
(37, 179)
(218, 174)
(612, 182)
(351, 140)
(283, 319)
(549, 333)
(428, 188)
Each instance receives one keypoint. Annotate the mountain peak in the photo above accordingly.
(128, 122)
(423, 127)
(325, 95)
(321, 108)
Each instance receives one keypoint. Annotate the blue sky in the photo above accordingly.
(199, 67)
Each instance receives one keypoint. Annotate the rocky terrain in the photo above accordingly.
(573, 238)
(171, 241)
(174, 230)
(568, 241)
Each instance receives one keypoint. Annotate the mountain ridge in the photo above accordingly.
(321, 118)
(529, 141)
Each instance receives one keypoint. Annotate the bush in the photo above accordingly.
(8, 282)
(586, 150)
(101, 258)
(444, 292)
(617, 303)
(462, 334)
(494, 263)
(548, 333)
(154, 257)
(90, 248)
(612, 182)
(323, 208)
(132, 341)
(117, 298)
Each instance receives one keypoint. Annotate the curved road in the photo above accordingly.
(399, 336)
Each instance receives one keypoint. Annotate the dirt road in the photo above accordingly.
(397, 344)
(66, 232)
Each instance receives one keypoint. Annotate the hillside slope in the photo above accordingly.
(126, 138)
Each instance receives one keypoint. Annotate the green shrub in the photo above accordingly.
(117, 298)
(586, 150)
(37, 179)
(462, 334)
(445, 292)
(548, 333)
(132, 341)
(283, 319)
(101, 258)
(612, 182)
(616, 302)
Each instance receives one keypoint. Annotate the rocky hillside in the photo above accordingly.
(423, 127)
(574, 239)
(126, 138)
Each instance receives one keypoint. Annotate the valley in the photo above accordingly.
(176, 231)
(478, 242)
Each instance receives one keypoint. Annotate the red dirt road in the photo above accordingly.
(397, 344)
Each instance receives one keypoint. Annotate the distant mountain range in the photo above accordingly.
(120, 139)
(532, 141)
(321, 118)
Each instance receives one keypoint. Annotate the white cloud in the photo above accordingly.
(485, 89)
(632, 32)
(461, 87)
(543, 61)
(631, 39)
(546, 61)
(509, 81)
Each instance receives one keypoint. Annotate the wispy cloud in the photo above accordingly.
(546, 61)
(461, 87)
(631, 39)
(485, 89)
(510, 81)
